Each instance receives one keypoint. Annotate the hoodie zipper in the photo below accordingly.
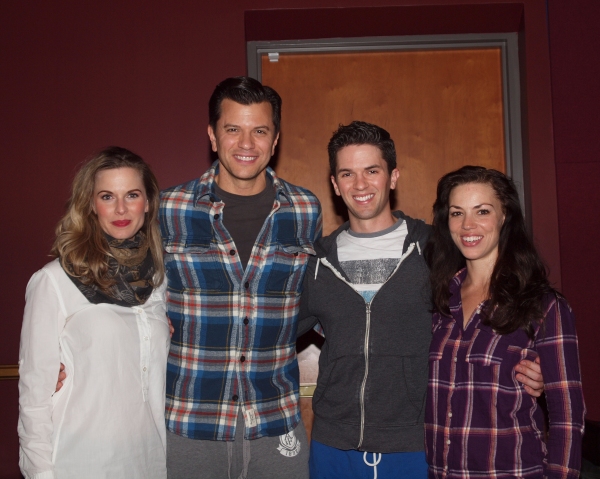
(363, 385)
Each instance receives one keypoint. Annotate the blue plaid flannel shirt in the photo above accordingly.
(234, 343)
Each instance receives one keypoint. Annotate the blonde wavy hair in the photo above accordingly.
(80, 243)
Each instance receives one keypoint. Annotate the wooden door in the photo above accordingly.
(443, 109)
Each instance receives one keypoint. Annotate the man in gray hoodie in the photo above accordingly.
(368, 288)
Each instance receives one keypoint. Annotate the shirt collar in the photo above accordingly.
(205, 189)
(455, 284)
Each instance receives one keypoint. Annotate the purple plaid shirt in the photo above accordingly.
(479, 420)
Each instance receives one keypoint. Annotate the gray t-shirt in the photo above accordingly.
(244, 217)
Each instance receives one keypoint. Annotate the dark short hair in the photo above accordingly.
(245, 91)
(361, 133)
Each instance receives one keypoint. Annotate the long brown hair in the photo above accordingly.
(519, 279)
(80, 242)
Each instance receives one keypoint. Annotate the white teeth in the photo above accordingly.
(363, 198)
(245, 158)
(471, 239)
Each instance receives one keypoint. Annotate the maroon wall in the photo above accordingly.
(574, 46)
(77, 76)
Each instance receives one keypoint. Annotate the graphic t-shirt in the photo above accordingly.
(368, 259)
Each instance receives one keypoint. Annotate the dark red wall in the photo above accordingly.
(574, 47)
(77, 76)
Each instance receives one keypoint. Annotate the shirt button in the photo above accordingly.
(232, 252)
(455, 359)
(246, 321)
(145, 338)
(217, 216)
(144, 368)
(448, 441)
(246, 285)
(243, 358)
(449, 414)
(234, 397)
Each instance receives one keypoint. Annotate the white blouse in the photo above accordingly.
(107, 421)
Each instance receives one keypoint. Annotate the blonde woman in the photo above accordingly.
(99, 309)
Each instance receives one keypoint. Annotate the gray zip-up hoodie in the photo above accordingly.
(372, 380)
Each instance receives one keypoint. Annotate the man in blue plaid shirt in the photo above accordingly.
(237, 243)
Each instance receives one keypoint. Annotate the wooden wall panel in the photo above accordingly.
(443, 109)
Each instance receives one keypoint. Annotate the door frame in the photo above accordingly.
(507, 42)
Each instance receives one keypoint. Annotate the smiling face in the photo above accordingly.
(364, 183)
(475, 220)
(120, 202)
(244, 139)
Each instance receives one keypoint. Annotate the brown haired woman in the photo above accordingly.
(99, 309)
(493, 307)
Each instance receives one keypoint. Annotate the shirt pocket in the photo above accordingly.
(193, 264)
(441, 330)
(487, 348)
(157, 301)
(288, 266)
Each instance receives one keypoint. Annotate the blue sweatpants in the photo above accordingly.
(330, 463)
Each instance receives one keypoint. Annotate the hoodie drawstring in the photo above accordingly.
(376, 460)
